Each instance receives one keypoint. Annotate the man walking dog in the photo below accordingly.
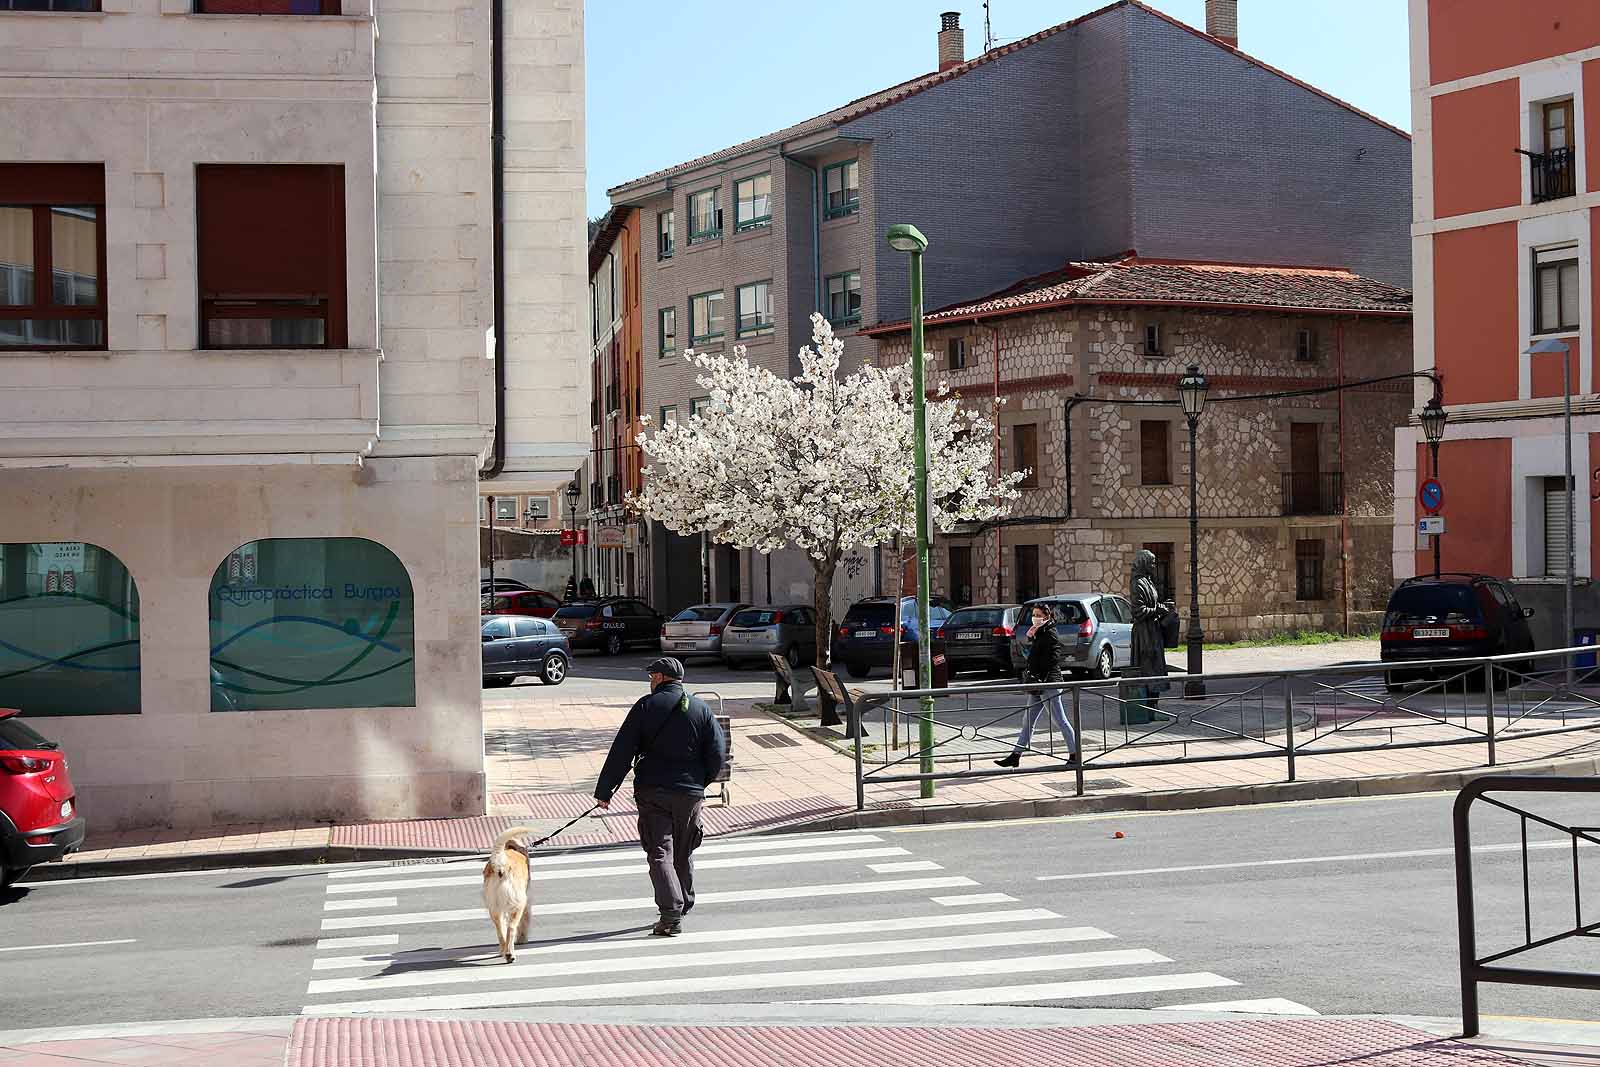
(673, 743)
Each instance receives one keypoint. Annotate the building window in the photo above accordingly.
(844, 298)
(538, 508)
(842, 183)
(669, 330)
(312, 622)
(1308, 569)
(956, 352)
(1305, 346)
(1555, 290)
(1027, 562)
(705, 318)
(669, 413)
(705, 218)
(755, 309)
(1553, 172)
(752, 202)
(69, 631)
(52, 255)
(49, 5)
(505, 507)
(666, 235)
(1025, 453)
(1152, 339)
(272, 256)
(1162, 551)
(700, 405)
(1155, 452)
(961, 575)
(267, 7)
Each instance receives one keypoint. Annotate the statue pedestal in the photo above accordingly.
(1138, 704)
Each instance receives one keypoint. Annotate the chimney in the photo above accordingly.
(952, 42)
(1222, 21)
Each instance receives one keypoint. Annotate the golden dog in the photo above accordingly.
(505, 891)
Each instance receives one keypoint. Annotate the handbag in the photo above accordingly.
(1169, 630)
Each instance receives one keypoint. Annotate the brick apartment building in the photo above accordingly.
(1079, 368)
(1506, 107)
(1122, 129)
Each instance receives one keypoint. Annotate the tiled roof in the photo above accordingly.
(1188, 284)
(894, 94)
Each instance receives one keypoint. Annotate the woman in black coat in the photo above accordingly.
(1044, 665)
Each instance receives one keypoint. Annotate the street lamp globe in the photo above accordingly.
(572, 494)
(1192, 392)
(904, 237)
(1433, 419)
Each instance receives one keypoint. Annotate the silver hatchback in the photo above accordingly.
(1096, 631)
(789, 630)
(698, 630)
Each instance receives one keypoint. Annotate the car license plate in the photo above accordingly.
(969, 637)
(681, 644)
(1422, 631)
(866, 633)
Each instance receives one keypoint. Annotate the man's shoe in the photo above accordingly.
(667, 928)
(1013, 760)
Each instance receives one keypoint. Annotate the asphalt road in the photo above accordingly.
(1322, 906)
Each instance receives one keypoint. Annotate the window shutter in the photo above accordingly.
(1549, 298)
(1153, 466)
(1556, 534)
(1569, 295)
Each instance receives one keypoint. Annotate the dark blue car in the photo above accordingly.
(514, 645)
(866, 637)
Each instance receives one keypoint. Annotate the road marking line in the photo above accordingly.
(973, 898)
(69, 944)
(639, 867)
(909, 865)
(1266, 1006)
(759, 933)
(504, 998)
(1100, 987)
(1409, 854)
(366, 941)
(364, 902)
(1108, 816)
(492, 970)
(781, 843)
(584, 907)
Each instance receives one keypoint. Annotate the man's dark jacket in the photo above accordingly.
(1044, 655)
(687, 751)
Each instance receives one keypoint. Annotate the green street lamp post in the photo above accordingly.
(1549, 346)
(1433, 419)
(908, 239)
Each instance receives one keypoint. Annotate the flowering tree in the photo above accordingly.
(818, 461)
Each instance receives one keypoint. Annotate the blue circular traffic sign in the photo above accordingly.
(1431, 494)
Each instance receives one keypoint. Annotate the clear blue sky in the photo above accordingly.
(668, 82)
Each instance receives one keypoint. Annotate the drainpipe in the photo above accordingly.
(999, 547)
(497, 182)
(1344, 491)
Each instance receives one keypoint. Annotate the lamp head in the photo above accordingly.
(904, 237)
(1433, 418)
(572, 492)
(1192, 391)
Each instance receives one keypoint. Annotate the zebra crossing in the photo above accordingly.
(845, 917)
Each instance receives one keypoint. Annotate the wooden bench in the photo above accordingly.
(832, 696)
(788, 692)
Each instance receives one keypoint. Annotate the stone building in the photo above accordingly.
(277, 280)
(1121, 129)
(1080, 367)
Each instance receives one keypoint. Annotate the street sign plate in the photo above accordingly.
(1432, 524)
(1430, 494)
(569, 538)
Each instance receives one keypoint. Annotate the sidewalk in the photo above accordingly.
(1194, 1040)
(544, 747)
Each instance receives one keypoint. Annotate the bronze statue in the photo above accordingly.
(1149, 612)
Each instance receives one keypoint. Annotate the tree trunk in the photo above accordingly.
(822, 603)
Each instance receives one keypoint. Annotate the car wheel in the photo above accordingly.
(1103, 668)
(793, 656)
(614, 644)
(858, 670)
(554, 671)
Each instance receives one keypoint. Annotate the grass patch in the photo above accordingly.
(1295, 637)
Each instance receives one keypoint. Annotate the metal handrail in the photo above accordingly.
(1476, 969)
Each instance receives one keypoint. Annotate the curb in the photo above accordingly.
(304, 855)
(1184, 799)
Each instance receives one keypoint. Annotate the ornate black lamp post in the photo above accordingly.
(1433, 419)
(572, 506)
(1192, 395)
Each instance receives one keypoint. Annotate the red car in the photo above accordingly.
(39, 817)
(535, 602)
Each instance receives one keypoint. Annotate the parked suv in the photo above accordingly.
(788, 630)
(39, 818)
(866, 637)
(1453, 616)
(1096, 631)
(698, 630)
(979, 638)
(609, 624)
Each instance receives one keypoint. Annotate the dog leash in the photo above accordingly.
(549, 836)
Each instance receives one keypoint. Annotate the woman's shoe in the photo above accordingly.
(1013, 760)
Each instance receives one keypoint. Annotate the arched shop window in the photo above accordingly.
(311, 622)
(69, 630)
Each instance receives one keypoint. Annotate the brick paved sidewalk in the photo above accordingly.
(411, 1042)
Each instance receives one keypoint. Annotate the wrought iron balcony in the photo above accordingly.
(1554, 174)
(1312, 492)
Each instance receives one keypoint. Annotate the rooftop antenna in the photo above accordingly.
(988, 30)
